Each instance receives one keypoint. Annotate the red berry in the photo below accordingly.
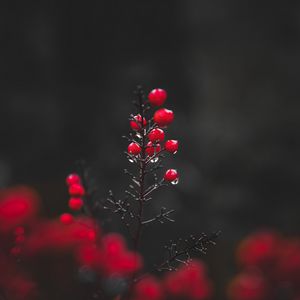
(66, 219)
(171, 146)
(75, 203)
(76, 190)
(156, 135)
(134, 148)
(163, 117)
(157, 97)
(136, 124)
(73, 179)
(152, 148)
(171, 175)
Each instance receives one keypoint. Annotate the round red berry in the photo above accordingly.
(171, 146)
(73, 179)
(136, 124)
(171, 175)
(152, 148)
(76, 190)
(157, 97)
(163, 117)
(66, 219)
(75, 203)
(134, 148)
(156, 135)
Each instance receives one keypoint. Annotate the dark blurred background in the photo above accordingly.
(232, 70)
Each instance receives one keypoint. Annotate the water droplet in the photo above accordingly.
(154, 160)
(174, 182)
(131, 160)
(138, 135)
(175, 152)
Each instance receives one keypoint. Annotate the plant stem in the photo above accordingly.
(142, 170)
(141, 194)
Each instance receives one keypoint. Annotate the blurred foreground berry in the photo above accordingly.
(76, 190)
(66, 219)
(270, 268)
(73, 179)
(75, 203)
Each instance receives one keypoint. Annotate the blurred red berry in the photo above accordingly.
(66, 219)
(89, 255)
(91, 235)
(20, 239)
(134, 148)
(288, 262)
(248, 286)
(148, 289)
(163, 117)
(117, 259)
(136, 124)
(15, 251)
(75, 203)
(17, 206)
(113, 243)
(157, 97)
(73, 179)
(171, 146)
(259, 249)
(76, 190)
(171, 175)
(151, 148)
(156, 135)
(188, 282)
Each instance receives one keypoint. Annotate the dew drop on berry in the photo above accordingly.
(131, 160)
(176, 181)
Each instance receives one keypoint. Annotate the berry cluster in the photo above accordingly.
(270, 268)
(188, 282)
(77, 192)
(151, 134)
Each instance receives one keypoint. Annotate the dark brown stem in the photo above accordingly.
(142, 174)
(141, 180)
